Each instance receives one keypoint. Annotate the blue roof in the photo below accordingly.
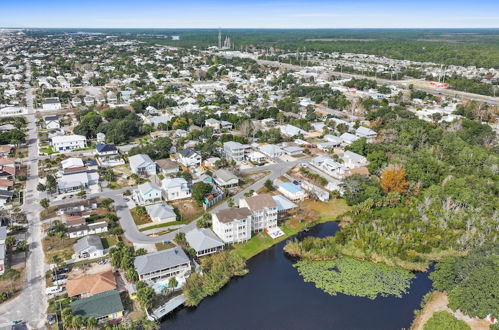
(292, 188)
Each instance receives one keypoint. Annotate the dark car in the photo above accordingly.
(59, 277)
(61, 271)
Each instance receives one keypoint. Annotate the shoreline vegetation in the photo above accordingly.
(219, 268)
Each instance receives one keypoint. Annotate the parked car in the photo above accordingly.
(53, 289)
(61, 271)
(51, 319)
(60, 282)
(59, 277)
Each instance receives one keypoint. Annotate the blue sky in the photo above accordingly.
(250, 14)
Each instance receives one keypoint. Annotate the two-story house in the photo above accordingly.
(142, 165)
(189, 158)
(148, 193)
(175, 188)
(162, 265)
(68, 142)
(235, 150)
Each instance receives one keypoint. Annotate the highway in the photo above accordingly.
(400, 83)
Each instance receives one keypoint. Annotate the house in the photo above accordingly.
(353, 160)
(330, 167)
(102, 149)
(90, 285)
(161, 213)
(72, 182)
(326, 146)
(100, 137)
(364, 132)
(163, 264)
(292, 191)
(87, 229)
(293, 150)
(6, 184)
(75, 101)
(89, 247)
(88, 100)
(73, 220)
(105, 306)
(225, 179)
(263, 210)
(290, 131)
(3, 236)
(51, 103)
(348, 138)
(256, 157)
(51, 122)
(235, 150)
(204, 241)
(167, 166)
(232, 225)
(142, 165)
(334, 140)
(73, 165)
(213, 123)
(175, 188)
(271, 150)
(189, 158)
(284, 206)
(68, 142)
(148, 193)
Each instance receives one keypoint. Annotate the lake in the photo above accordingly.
(273, 296)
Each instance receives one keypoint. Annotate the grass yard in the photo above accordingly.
(189, 209)
(109, 240)
(161, 225)
(164, 246)
(311, 213)
(140, 219)
(62, 247)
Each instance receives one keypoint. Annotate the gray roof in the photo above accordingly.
(2, 252)
(155, 261)
(161, 210)
(86, 242)
(138, 160)
(225, 175)
(148, 186)
(70, 181)
(203, 239)
(189, 152)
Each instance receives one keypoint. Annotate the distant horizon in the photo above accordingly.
(241, 28)
(255, 14)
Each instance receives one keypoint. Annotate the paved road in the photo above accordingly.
(31, 304)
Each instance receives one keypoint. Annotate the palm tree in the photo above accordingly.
(91, 322)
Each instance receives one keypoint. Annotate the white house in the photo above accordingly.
(142, 165)
(161, 213)
(68, 142)
(263, 211)
(271, 150)
(256, 157)
(148, 193)
(87, 229)
(232, 225)
(225, 179)
(51, 122)
(290, 130)
(364, 132)
(51, 103)
(335, 140)
(292, 191)
(353, 160)
(189, 158)
(175, 188)
(235, 150)
(330, 167)
(348, 138)
(89, 247)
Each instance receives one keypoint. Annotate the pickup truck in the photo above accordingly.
(53, 289)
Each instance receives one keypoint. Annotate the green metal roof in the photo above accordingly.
(98, 305)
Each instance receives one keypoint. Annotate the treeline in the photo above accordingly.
(432, 192)
(470, 85)
(119, 125)
(217, 271)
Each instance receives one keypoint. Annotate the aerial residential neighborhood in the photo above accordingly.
(141, 172)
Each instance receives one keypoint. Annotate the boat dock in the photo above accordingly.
(172, 304)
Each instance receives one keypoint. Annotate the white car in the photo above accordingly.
(53, 289)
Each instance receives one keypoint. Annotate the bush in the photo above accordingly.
(445, 321)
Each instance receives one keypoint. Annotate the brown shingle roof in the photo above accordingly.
(228, 215)
(91, 284)
(260, 202)
(6, 183)
(166, 164)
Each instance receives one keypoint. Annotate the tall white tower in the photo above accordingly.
(219, 38)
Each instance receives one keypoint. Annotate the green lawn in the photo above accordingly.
(140, 219)
(325, 212)
(109, 241)
(48, 151)
(161, 225)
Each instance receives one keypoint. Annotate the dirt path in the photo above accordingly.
(439, 303)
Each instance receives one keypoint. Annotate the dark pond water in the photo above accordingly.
(274, 296)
